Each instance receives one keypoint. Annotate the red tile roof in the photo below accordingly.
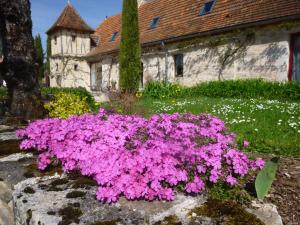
(70, 19)
(180, 19)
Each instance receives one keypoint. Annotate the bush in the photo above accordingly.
(80, 92)
(142, 158)
(227, 89)
(65, 105)
(3, 93)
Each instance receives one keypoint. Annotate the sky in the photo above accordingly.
(45, 12)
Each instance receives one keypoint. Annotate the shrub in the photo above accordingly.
(162, 90)
(142, 158)
(3, 93)
(227, 89)
(67, 104)
(80, 92)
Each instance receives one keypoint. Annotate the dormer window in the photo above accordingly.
(55, 40)
(114, 36)
(73, 38)
(154, 22)
(208, 7)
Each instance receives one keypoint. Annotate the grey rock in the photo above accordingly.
(267, 213)
(5, 128)
(8, 136)
(41, 202)
(6, 214)
(44, 206)
(16, 157)
(12, 172)
(5, 193)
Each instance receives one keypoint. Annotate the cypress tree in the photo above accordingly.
(39, 55)
(130, 49)
(47, 67)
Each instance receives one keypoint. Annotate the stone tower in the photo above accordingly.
(70, 42)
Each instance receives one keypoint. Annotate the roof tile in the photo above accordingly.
(181, 17)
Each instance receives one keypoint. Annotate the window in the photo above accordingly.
(114, 36)
(207, 8)
(154, 22)
(295, 58)
(73, 38)
(55, 40)
(76, 67)
(178, 60)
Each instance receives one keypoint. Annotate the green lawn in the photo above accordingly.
(271, 126)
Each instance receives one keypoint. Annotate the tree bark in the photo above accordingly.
(18, 68)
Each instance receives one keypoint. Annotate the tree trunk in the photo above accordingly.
(18, 68)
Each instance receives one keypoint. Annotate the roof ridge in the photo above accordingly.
(70, 18)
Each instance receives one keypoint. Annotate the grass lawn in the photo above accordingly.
(271, 126)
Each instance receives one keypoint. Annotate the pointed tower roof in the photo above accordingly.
(70, 19)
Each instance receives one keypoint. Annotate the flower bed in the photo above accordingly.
(142, 158)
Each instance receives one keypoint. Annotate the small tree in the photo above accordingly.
(47, 67)
(39, 55)
(130, 49)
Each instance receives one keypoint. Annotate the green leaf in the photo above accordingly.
(265, 178)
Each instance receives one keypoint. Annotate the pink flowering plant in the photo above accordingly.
(142, 158)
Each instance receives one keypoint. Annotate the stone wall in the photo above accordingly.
(68, 49)
(267, 57)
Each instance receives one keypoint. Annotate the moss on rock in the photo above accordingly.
(170, 220)
(69, 215)
(111, 222)
(84, 182)
(226, 212)
(29, 190)
(75, 194)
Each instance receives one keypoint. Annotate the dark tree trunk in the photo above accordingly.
(18, 68)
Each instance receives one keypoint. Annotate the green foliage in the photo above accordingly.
(82, 93)
(67, 104)
(265, 178)
(130, 49)
(39, 55)
(271, 126)
(162, 90)
(3, 93)
(226, 89)
(47, 66)
(225, 193)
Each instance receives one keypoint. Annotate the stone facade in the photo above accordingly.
(266, 57)
(67, 65)
(257, 52)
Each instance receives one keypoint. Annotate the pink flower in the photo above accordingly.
(231, 180)
(141, 158)
(246, 144)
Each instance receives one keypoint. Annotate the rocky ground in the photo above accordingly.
(33, 198)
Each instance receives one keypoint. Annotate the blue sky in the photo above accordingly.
(45, 12)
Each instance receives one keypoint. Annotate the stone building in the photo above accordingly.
(183, 41)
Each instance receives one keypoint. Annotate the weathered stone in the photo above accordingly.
(267, 213)
(6, 214)
(50, 207)
(16, 157)
(45, 205)
(5, 192)
(8, 136)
